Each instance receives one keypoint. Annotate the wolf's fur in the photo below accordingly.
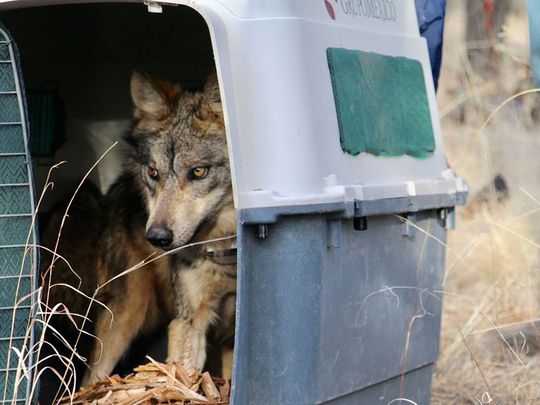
(175, 131)
(85, 214)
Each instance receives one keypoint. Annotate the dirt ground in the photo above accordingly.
(493, 262)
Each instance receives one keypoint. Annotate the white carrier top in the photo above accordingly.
(325, 101)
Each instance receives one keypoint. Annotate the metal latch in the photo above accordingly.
(447, 216)
(409, 226)
(154, 7)
(157, 6)
(359, 222)
(262, 231)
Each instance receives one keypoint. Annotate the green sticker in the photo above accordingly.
(382, 105)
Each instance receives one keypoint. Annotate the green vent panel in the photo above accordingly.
(382, 105)
(17, 258)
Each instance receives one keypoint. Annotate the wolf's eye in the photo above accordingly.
(199, 172)
(152, 172)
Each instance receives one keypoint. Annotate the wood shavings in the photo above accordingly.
(155, 383)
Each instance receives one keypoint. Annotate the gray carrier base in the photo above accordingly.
(332, 314)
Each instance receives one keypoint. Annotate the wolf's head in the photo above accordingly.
(180, 157)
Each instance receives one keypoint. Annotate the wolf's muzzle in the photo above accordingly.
(159, 236)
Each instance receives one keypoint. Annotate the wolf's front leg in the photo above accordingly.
(187, 345)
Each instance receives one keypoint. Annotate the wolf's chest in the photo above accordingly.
(205, 282)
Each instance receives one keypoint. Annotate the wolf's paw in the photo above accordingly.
(195, 355)
(187, 345)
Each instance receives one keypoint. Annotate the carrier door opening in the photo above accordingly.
(100, 74)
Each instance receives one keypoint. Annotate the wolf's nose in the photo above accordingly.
(159, 236)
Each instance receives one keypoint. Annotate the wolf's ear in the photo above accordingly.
(209, 118)
(211, 88)
(152, 97)
(211, 108)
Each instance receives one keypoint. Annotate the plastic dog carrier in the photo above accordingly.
(342, 191)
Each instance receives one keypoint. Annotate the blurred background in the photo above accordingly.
(490, 336)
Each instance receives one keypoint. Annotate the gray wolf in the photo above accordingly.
(186, 183)
(175, 189)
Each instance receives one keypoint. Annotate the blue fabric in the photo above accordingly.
(430, 15)
(534, 33)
